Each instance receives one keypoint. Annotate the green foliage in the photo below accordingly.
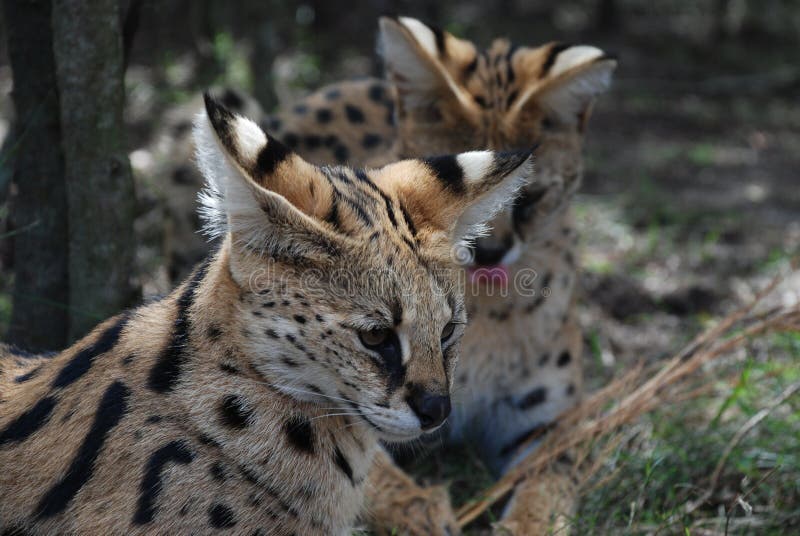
(677, 448)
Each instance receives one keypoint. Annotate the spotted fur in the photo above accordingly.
(247, 399)
(522, 364)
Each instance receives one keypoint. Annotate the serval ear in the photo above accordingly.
(568, 79)
(421, 62)
(454, 197)
(268, 198)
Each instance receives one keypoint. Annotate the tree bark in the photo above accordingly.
(39, 205)
(87, 40)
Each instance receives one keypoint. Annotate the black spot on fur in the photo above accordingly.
(82, 361)
(448, 171)
(271, 334)
(324, 115)
(291, 140)
(227, 367)
(214, 333)
(543, 359)
(154, 419)
(300, 109)
(270, 157)
(377, 93)
(208, 441)
(333, 94)
(564, 359)
(149, 489)
(217, 472)
(330, 141)
(552, 54)
(166, 372)
(221, 516)
(289, 362)
(370, 141)
(110, 411)
(300, 319)
(499, 316)
(28, 422)
(354, 115)
(234, 412)
(300, 433)
(312, 141)
(341, 153)
(28, 375)
(343, 464)
(534, 398)
(570, 389)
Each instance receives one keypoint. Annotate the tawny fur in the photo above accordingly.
(245, 400)
(522, 364)
(518, 348)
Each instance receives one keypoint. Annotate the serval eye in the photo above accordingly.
(447, 332)
(383, 341)
(374, 337)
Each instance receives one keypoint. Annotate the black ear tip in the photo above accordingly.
(210, 102)
(217, 113)
(507, 161)
(611, 55)
(388, 16)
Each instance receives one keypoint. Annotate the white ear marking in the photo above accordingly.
(473, 222)
(424, 35)
(250, 139)
(572, 57)
(226, 191)
(475, 164)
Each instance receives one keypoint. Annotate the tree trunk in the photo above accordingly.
(39, 205)
(87, 40)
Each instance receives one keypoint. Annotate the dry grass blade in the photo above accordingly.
(637, 392)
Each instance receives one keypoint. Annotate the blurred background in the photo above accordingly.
(691, 197)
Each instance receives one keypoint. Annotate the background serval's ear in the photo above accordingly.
(453, 197)
(568, 79)
(266, 196)
(419, 60)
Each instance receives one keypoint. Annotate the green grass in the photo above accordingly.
(673, 452)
